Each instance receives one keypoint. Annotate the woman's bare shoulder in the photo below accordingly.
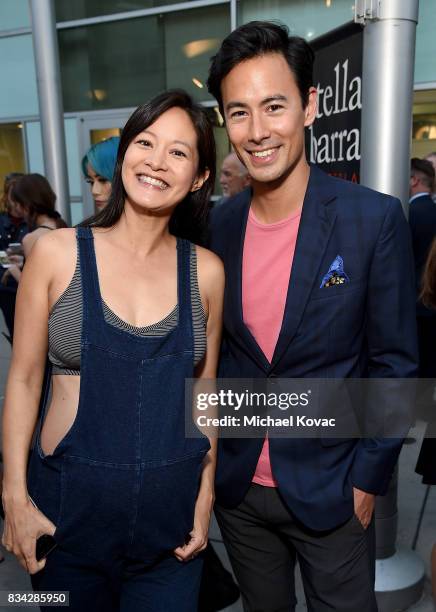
(58, 238)
(56, 248)
(208, 259)
(210, 271)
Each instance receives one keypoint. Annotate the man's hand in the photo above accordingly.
(363, 506)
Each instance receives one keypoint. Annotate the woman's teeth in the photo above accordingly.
(152, 181)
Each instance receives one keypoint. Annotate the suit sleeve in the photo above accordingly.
(392, 348)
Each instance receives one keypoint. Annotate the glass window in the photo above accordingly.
(11, 150)
(67, 10)
(14, 14)
(124, 63)
(191, 38)
(17, 68)
(425, 64)
(307, 18)
(424, 123)
(77, 214)
(111, 65)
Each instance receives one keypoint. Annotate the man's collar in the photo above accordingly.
(418, 195)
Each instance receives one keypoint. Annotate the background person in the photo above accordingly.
(13, 228)
(98, 166)
(33, 198)
(145, 314)
(431, 157)
(234, 177)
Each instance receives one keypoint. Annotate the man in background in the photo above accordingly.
(431, 157)
(234, 177)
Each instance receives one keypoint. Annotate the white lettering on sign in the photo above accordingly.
(345, 96)
(334, 147)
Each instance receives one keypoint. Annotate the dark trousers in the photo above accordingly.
(264, 541)
(121, 585)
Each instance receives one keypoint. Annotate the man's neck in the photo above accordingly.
(417, 193)
(275, 201)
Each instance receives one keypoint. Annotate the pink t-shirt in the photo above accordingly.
(266, 268)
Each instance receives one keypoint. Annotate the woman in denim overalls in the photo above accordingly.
(125, 494)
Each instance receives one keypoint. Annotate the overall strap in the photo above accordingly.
(91, 298)
(184, 284)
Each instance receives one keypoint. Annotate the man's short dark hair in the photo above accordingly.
(423, 170)
(259, 38)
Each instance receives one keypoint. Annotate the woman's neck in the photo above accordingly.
(45, 220)
(143, 233)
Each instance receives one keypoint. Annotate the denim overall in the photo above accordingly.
(124, 479)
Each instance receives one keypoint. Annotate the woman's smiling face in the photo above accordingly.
(161, 163)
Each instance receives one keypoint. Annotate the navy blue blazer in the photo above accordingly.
(364, 328)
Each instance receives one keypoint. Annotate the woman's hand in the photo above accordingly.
(200, 531)
(23, 525)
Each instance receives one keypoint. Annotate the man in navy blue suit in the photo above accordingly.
(319, 284)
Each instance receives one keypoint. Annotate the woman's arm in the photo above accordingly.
(23, 523)
(211, 285)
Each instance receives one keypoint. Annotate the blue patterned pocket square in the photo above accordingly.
(336, 274)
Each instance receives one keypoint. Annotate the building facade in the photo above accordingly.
(116, 54)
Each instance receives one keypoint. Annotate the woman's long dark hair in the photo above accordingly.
(189, 218)
(428, 292)
(35, 195)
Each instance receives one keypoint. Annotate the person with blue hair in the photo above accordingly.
(98, 166)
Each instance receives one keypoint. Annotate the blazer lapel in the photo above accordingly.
(234, 320)
(316, 224)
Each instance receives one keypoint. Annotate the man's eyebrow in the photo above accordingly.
(274, 98)
(268, 100)
(236, 104)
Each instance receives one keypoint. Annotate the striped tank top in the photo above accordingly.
(65, 323)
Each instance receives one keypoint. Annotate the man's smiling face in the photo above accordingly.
(265, 117)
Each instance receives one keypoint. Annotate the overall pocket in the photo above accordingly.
(97, 506)
(166, 507)
(44, 485)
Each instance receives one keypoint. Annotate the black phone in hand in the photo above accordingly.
(44, 545)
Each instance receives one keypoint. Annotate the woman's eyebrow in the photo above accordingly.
(182, 142)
